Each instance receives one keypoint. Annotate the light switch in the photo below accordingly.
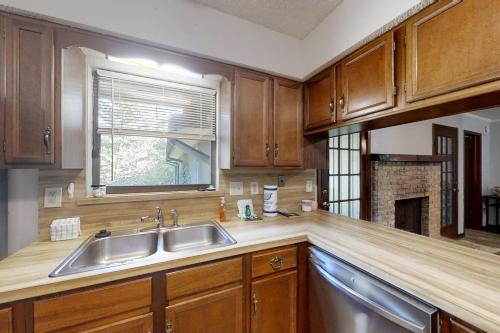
(254, 188)
(309, 186)
(235, 188)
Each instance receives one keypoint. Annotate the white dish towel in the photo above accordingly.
(64, 229)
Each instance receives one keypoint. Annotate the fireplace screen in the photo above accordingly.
(345, 174)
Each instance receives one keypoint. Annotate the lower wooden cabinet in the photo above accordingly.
(217, 312)
(450, 324)
(6, 320)
(140, 324)
(274, 304)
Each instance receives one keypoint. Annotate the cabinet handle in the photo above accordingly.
(169, 327)
(46, 139)
(342, 101)
(276, 150)
(331, 106)
(268, 149)
(276, 263)
(254, 303)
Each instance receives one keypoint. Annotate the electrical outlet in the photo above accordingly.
(281, 181)
(309, 186)
(254, 188)
(235, 188)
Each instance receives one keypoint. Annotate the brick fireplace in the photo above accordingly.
(400, 178)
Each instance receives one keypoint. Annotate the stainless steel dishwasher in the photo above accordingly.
(343, 299)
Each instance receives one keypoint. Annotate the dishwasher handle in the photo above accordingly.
(412, 327)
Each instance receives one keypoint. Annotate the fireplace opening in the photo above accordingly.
(410, 214)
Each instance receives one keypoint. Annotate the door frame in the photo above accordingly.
(478, 179)
(450, 230)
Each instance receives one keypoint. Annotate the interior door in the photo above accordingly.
(29, 115)
(252, 117)
(287, 122)
(473, 208)
(445, 143)
(368, 79)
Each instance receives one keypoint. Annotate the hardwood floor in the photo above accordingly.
(480, 240)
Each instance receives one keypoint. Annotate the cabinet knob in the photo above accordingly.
(342, 101)
(254, 304)
(46, 139)
(268, 149)
(276, 263)
(169, 328)
(276, 150)
(331, 105)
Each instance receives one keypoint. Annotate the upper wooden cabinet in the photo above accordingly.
(287, 122)
(251, 130)
(368, 79)
(454, 46)
(319, 100)
(29, 102)
(6, 320)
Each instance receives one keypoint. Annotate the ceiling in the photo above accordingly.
(296, 18)
(491, 114)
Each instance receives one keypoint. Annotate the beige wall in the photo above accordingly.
(126, 215)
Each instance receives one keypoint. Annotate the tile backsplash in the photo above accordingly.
(126, 215)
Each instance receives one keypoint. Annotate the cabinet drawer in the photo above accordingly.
(122, 300)
(6, 320)
(273, 261)
(140, 324)
(196, 279)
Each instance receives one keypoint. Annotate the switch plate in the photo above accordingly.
(254, 188)
(235, 188)
(309, 186)
(281, 181)
(53, 197)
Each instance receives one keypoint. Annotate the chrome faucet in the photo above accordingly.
(159, 219)
(175, 217)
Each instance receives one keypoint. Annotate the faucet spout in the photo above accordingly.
(175, 217)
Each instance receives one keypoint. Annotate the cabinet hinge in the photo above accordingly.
(395, 90)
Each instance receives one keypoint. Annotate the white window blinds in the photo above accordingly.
(134, 105)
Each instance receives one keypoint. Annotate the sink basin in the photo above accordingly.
(199, 236)
(97, 253)
(126, 247)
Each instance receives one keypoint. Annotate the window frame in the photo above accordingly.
(94, 63)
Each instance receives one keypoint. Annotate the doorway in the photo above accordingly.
(473, 215)
(445, 144)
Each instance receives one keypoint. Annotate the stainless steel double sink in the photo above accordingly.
(131, 246)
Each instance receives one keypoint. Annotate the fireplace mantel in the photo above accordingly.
(408, 158)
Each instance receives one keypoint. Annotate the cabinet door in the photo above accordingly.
(29, 115)
(274, 304)
(252, 120)
(140, 324)
(218, 312)
(287, 122)
(368, 79)
(452, 325)
(449, 49)
(319, 100)
(6, 321)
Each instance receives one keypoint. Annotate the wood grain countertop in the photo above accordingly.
(461, 281)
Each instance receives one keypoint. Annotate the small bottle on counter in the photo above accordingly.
(222, 210)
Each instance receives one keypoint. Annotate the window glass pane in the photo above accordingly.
(330, 208)
(355, 165)
(336, 142)
(450, 146)
(331, 188)
(344, 187)
(344, 161)
(344, 141)
(330, 159)
(355, 187)
(355, 209)
(336, 208)
(355, 141)
(335, 188)
(344, 208)
(335, 161)
(330, 142)
(439, 145)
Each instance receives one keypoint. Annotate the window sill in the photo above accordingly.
(152, 196)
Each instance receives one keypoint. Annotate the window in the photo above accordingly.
(149, 133)
(344, 174)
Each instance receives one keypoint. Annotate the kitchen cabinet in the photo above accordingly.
(448, 48)
(29, 98)
(216, 312)
(288, 124)
(273, 261)
(320, 108)
(96, 309)
(368, 79)
(450, 324)
(274, 303)
(267, 122)
(252, 117)
(140, 324)
(6, 320)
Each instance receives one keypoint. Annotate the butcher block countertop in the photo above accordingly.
(461, 281)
